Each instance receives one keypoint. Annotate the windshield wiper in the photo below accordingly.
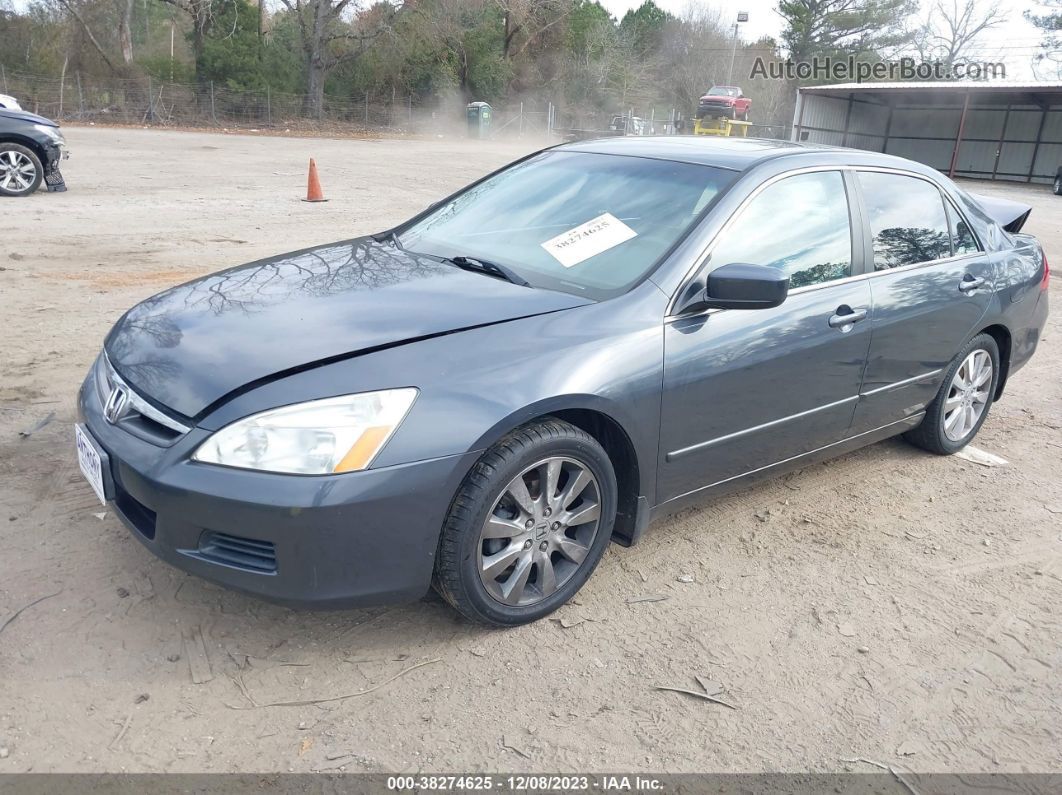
(392, 238)
(489, 268)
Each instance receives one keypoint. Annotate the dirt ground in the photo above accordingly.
(889, 604)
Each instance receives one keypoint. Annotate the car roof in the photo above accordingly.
(738, 154)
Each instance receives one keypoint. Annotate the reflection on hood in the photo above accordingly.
(189, 346)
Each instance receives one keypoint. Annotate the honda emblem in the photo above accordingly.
(114, 410)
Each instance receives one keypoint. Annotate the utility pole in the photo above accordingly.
(743, 16)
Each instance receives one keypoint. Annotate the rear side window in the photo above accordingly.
(907, 220)
(799, 225)
(962, 239)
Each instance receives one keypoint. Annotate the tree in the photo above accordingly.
(1051, 24)
(953, 26)
(231, 51)
(644, 26)
(528, 19)
(842, 27)
(332, 32)
(201, 15)
(120, 14)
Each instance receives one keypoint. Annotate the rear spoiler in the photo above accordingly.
(1009, 214)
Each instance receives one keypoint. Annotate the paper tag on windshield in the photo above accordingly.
(585, 241)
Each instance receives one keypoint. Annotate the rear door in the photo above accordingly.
(931, 286)
(744, 389)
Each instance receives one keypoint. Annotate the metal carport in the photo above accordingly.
(994, 130)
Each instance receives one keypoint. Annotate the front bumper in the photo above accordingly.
(336, 541)
(53, 177)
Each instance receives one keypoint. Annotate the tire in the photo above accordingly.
(934, 433)
(745, 116)
(21, 171)
(1058, 183)
(486, 594)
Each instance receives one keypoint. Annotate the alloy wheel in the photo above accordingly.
(17, 172)
(539, 531)
(968, 395)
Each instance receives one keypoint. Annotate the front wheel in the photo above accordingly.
(528, 525)
(21, 171)
(961, 406)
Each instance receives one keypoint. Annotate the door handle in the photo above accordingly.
(844, 320)
(970, 283)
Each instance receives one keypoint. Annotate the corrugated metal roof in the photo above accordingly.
(1045, 86)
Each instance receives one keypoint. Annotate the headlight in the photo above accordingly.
(341, 434)
(51, 132)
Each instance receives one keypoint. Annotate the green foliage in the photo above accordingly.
(232, 52)
(586, 18)
(842, 27)
(162, 68)
(570, 52)
(1051, 25)
(644, 26)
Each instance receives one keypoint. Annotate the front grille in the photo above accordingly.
(241, 553)
(139, 418)
(714, 107)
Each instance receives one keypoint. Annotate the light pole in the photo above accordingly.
(743, 16)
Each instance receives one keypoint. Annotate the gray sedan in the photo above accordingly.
(485, 396)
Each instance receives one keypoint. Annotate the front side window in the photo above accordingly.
(585, 223)
(799, 224)
(907, 219)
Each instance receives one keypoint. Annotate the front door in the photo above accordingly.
(744, 389)
(931, 287)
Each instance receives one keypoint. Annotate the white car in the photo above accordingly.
(9, 103)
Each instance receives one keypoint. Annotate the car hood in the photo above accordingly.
(21, 115)
(191, 346)
(715, 97)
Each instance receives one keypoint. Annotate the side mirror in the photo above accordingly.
(741, 286)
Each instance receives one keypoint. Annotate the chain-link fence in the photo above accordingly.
(147, 101)
(143, 100)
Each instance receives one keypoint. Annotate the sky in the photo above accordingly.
(1014, 43)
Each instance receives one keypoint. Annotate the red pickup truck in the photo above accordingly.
(724, 102)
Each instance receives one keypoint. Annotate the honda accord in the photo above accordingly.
(486, 395)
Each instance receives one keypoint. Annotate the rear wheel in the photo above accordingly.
(961, 406)
(528, 525)
(21, 171)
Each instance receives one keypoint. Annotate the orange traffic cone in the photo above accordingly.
(313, 186)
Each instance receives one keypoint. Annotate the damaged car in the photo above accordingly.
(487, 395)
(31, 149)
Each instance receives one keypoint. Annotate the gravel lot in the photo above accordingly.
(890, 604)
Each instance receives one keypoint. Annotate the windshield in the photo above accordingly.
(590, 224)
(723, 91)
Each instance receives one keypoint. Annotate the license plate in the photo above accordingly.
(90, 461)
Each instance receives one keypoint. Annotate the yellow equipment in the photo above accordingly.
(721, 127)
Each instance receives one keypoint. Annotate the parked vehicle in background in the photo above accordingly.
(31, 148)
(8, 102)
(726, 102)
(486, 395)
(630, 125)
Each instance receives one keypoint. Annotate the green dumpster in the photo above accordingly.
(478, 115)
